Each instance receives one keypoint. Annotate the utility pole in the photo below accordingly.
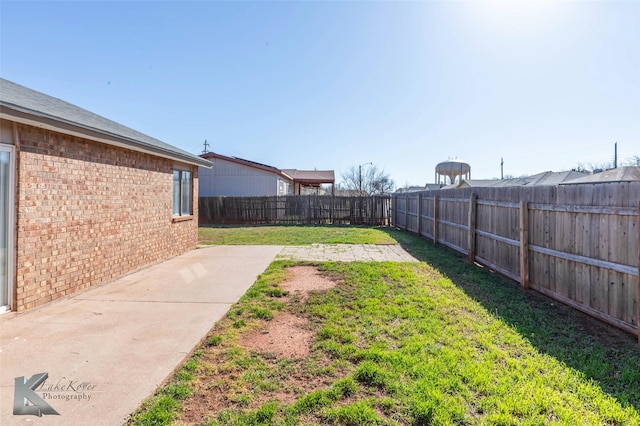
(206, 147)
(360, 177)
(615, 155)
(501, 168)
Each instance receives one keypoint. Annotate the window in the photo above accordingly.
(182, 193)
(7, 252)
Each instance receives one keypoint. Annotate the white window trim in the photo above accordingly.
(11, 260)
(180, 216)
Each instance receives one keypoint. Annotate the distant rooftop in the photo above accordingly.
(248, 163)
(303, 177)
(311, 176)
(621, 174)
(540, 179)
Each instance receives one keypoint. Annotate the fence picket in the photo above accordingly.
(580, 241)
(295, 209)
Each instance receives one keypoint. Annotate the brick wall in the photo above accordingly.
(88, 213)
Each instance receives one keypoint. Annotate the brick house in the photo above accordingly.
(85, 200)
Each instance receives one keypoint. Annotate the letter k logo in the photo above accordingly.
(24, 393)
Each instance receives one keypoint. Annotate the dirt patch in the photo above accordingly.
(284, 336)
(303, 280)
(287, 335)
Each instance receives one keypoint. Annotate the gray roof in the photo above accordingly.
(621, 174)
(19, 103)
(555, 178)
(540, 179)
(248, 163)
(477, 182)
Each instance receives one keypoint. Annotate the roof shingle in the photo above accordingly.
(18, 101)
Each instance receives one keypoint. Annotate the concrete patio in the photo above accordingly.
(107, 349)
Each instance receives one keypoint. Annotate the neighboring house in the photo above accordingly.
(620, 174)
(540, 179)
(235, 177)
(426, 187)
(85, 200)
(347, 193)
(311, 181)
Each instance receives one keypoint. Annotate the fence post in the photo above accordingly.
(472, 228)
(406, 211)
(435, 219)
(524, 244)
(333, 197)
(419, 214)
(372, 200)
(392, 210)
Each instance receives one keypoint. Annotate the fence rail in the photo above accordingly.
(295, 209)
(576, 243)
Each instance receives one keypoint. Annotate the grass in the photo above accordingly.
(293, 235)
(436, 342)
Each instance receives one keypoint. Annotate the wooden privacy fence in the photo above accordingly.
(575, 243)
(295, 209)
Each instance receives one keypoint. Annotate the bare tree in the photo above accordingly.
(634, 160)
(580, 167)
(367, 179)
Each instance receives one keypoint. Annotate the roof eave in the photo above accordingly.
(286, 176)
(244, 162)
(313, 181)
(38, 119)
(594, 182)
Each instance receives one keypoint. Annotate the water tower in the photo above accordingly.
(452, 169)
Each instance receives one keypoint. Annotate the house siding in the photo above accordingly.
(236, 180)
(88, 213)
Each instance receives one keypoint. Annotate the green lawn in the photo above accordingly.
(293, 235)
(437, 342)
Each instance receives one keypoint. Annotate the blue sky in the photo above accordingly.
(330, 85)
